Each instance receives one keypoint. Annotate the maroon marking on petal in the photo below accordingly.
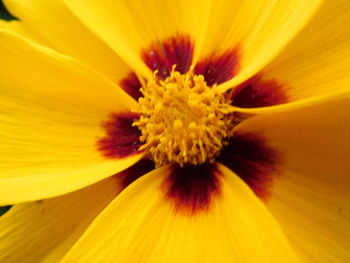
(134, 172)
(177, 50)
(131, 85)
(217, 69)
(122, 139)
(253, 161)
(257, 92)
(191, 188)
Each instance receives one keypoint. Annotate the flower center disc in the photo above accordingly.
(182, 120)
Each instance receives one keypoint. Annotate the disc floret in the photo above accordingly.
(182, 120)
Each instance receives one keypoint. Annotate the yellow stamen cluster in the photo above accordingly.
(183, 120)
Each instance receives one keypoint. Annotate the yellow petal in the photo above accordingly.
(17, 27)
(309, 195)
(260, 29)
(51, 113)
(297, 104)
(131, 26)
(314, 67)
(55, 26)
(142, 225)
(317, 61)
(46, 229)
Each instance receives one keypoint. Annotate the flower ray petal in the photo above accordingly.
(259, 28)
(51, 114)
(51, 226)
(142, 225)
(310, 195)
(314, 66)
(52, 24)
(130, 26)
(316, 62)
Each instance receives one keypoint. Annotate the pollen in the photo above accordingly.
(182, 119)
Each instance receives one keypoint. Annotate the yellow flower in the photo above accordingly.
(235, 149)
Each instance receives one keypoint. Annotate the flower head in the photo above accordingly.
(175, 131)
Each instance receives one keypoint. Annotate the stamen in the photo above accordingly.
(182, 119)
